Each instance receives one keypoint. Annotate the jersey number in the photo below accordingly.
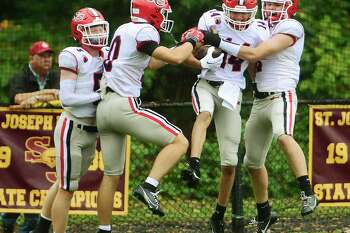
(234, 61)
(113, 53)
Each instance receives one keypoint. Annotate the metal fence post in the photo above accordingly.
(237, 199)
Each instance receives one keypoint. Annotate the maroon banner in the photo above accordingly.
(27, 165)
(329, 143)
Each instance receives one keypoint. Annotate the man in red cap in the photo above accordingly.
(37, 82)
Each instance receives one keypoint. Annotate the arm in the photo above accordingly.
(43, 95)
(156, 64)
(68, 96)
(252, 71)
(193, 62)
(272, 46)
(173, 56)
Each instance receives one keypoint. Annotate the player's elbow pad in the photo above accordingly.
(68, 96)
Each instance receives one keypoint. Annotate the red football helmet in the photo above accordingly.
(154, 12)
(90, 28)
(288, 8)
(246, 8)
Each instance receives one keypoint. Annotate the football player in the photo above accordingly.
(275, 104)
(135, 47)
(217, 95)
(76, 132)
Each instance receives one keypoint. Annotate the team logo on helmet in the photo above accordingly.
(79, 16)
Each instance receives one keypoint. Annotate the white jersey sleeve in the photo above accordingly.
(289, 27)
(147, 34)
(209, 19)
(67, 60)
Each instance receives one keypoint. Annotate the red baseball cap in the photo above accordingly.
(40, 47)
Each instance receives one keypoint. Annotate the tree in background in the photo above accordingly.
(325, 62)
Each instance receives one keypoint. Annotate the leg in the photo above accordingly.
(74, 152)
(226, 182)
(295, 155)
(259, 179)
(168, 157)
(283, 118)
(44, 223)
(228, 131)
(113, 151)
(60, 209)
(199, 132)
(297, 163)
(203, 105)
(258, 138)
(105, 199)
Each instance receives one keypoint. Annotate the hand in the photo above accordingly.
(194, 34)
(28, 103)
(209, 62)
(211, 38)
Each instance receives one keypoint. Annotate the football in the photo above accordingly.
(201, 51)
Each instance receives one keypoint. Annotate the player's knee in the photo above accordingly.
(228, 171)
(285, 140)
(252, 164)
(65, 194)
(113, 171)
(182, 142)
(229, 158)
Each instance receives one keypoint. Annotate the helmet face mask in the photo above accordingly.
(239, 14)
(90, 28)
(94, 34)
(274, 11)
(154, 12)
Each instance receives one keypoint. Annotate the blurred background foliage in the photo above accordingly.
(325, 63)
(325, 69)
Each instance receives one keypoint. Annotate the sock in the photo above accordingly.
(304, 185)
(264, 210)
(152, 181)
(104, 228)
(219, 212)
(43, 225)
(149, 186)
(194, 162)
(103, 231)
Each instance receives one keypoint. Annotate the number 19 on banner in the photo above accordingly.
(337, 153)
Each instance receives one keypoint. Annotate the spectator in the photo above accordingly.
(37, 82)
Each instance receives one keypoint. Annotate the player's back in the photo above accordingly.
(280, 72)
(125, 65)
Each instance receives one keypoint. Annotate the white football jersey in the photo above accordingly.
(89, 71)
(280, 72)
(125, 65)
(232, 68)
